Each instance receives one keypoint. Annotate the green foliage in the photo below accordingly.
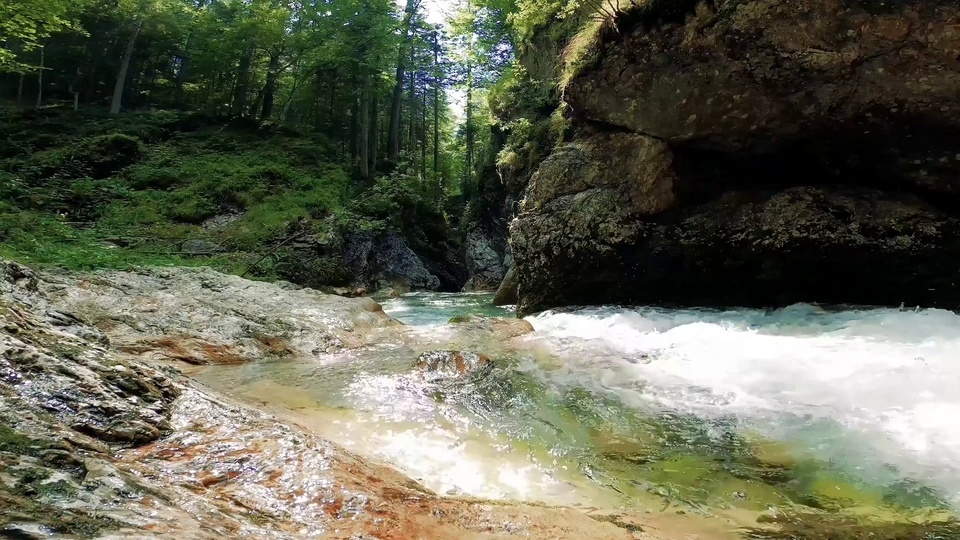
(263, 184)
(516, 93)
(289, 99)
(25, 24)
(95, 157)
(157, 195)
(534, 15)
(394, 200)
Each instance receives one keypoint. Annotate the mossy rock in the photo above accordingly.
(14, 442)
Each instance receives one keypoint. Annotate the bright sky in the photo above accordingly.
(438, 10)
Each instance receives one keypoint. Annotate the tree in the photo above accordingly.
(310, 65)
(396, 103)
(117, 100)
(25, 24)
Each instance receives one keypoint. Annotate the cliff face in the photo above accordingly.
(756, 152)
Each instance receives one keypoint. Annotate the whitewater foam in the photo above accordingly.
(886, 383)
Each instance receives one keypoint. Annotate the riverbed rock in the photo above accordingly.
(200, 316)
(491, 327)
(508, 293)
(755, 153)
(94, 444)
(454, 363)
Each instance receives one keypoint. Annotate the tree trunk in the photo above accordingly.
(374, 130)
(289, 105)
(182, 79)
(333, 102)
(412, 106)
(124, 67)
(240, 90)
(270, 88)
(182, 72)
(393, 135)
(436, 109)
(364, 133)
(354, 135)
(468, 178)
(423, 138)
(75, 90)
(43, 53)
(298, 81)
(20, 91)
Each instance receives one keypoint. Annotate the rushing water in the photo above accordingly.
(751, 410)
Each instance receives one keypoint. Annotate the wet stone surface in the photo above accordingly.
(96, 444)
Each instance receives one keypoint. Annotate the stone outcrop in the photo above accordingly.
(386, 261)
(755, 152)
(485, 262)
(452, 363)
(199, 316)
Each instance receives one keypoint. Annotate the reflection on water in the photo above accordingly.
(843, 412)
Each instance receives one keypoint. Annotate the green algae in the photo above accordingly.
(14, 442)
(31, 500)
(830, 527)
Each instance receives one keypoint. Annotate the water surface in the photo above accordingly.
(847, 412)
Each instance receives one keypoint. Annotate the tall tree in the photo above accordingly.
(396, 103)
(117, 101)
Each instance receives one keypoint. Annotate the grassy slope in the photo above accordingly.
(86, 190)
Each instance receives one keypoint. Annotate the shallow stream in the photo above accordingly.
(844, 413)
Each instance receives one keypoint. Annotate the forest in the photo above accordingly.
(130, 123)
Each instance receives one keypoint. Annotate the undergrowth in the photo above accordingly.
(88, 190)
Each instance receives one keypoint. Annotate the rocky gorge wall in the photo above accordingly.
(755, 153)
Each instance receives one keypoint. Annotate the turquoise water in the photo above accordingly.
(427, 309)
(798, 410)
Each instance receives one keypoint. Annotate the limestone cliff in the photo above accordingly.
(755, 152)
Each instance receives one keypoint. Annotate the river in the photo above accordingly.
(848, 412)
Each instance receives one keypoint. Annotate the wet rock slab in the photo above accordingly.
(203, 317)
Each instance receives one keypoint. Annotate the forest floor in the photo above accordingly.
(86, 190)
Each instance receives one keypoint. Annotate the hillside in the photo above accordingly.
(86, 190)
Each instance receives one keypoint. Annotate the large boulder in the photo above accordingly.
(508, 293)
(755, 152)
(881, 78)
(385, 260)
(484, 262)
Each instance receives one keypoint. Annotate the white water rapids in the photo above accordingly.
(611, 406)
(877, 391)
